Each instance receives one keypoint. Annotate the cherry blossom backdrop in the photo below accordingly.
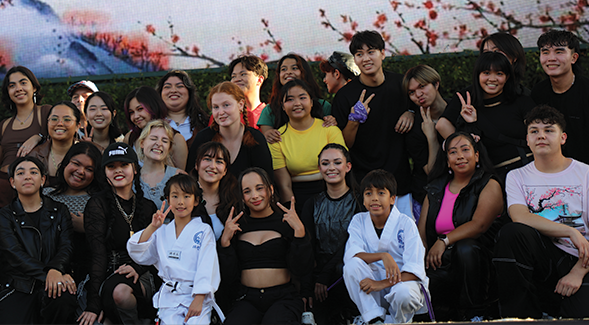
(60, 38)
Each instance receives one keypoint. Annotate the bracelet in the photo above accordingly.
(446, 241)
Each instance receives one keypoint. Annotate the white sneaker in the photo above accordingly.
(358, 320)
(308, 318)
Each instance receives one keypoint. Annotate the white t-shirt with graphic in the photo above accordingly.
(560, 197)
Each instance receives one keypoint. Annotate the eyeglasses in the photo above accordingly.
(65, 120)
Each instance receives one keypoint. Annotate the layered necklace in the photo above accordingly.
(128, 217)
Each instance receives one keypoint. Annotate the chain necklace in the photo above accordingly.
(128, 217)
(23, 122)
(53, 160)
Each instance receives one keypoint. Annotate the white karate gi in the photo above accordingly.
(400, 238)
(188, 265)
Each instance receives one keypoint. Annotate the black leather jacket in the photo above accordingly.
(22, 265)
(464, 207)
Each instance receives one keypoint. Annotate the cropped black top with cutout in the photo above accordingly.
(284, 252)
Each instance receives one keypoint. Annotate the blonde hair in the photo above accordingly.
(145, 133)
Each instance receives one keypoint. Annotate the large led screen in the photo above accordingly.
(60, 38)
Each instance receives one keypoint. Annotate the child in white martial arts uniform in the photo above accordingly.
(384, 257)
(184, 252)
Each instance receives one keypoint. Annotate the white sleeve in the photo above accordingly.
(207, 276)
(514, 189)
(143, 253)
(414, 252)
(356, 242)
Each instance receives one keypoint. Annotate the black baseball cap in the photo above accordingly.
(118, 151)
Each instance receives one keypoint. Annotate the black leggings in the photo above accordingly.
(274, 305)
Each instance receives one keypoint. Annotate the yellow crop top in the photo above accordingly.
(298, 150)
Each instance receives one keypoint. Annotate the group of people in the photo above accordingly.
(389, 202)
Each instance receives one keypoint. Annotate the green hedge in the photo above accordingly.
(454, 68)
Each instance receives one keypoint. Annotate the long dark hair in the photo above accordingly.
(198, 118)
(90, 150)
(306, 75)
(8, 103)
(151, 101)
(273, 197)
(350, 179)
(441, 168)
(494, 61)
(227, 185)
(113, 128)
(316, 110)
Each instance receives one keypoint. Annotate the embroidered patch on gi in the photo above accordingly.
(198, 239)
(176, 255)
(400, 236)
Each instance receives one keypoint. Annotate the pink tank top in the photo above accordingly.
(444, 222)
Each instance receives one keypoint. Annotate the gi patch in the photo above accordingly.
(400, 238)
(198, 239)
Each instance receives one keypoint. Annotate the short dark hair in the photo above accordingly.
(316, 109)
(251, 63)
(545, 114)
(497, 62)
(555, 37)
(186, 183)
(379, 179)
(370, 38)
(29, 74)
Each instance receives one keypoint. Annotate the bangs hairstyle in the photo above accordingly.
(250, 63)
(272, 195)
(114, 131)
(212, 149)
(514, 50)
(492, 61)
(19, 160)
(306, 75)
(350, 179)
(316, 108)
(147, 130)
(76, 112)
(547, 115)
(151, 102)
(371, 38)
(424, 74)
(81, 148)
(186, 183)
(198, 118)
(8, 103)
(562, 38)
(379, 179)
(441, 168)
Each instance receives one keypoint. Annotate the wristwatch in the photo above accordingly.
(444, 238)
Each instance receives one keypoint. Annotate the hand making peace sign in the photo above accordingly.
(157, 220)
(231, 227)
(468, 112)
(292, 218)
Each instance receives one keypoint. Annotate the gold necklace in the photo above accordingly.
(53, 159)
(128, 217)
(23, 122)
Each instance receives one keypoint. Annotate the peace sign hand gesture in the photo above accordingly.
(428, 126)
(468, 112)
(231, 227)
(88, 137)
(157, 220)
(292, 218)
(359, 112)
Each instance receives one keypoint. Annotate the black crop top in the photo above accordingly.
(287, 251)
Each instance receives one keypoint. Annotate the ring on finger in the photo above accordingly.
(58, 283)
